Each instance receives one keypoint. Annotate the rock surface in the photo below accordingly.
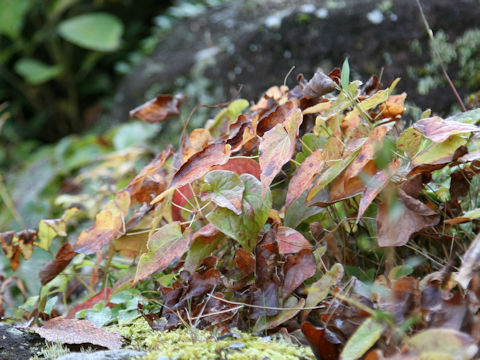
(125, 354)
(256, 43)
(18, 344)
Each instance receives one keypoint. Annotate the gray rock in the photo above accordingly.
(17, 343)
(123, 354)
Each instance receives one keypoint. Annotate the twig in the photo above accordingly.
(434, 47)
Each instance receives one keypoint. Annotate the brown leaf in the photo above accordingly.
(291, 241)
(302, 179)
(460, 184)
(297, 269)
(161, 108)
(277, 116)
(54, 267)
(197, 141)
(150, 182)
(470, 262)
(319, 85)
(266, 300)
(10, 249)
(439, 130)
(73, 331)
(245, 261)
(200, 163)
(415, 217)
(277, 147)
(25, 241)
(393, 106)
(108, 225)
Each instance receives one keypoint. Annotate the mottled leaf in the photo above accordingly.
(200, 163)
(410, 141)
(277, 146)
(244, 228)
(225, 189)
(320, 289)
(165, 246)
(438, 130)
(162, 108)
(290, 241)
(302, 179)
(73, 331)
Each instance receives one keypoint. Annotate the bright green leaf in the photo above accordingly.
(363, 339)
(244, 228)
(95, 31)
(345, 74)
(36, 72)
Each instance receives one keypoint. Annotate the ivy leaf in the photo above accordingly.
(225, 189)
(244, 228)
(165, 247)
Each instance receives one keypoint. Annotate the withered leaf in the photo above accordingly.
(10, 249)
(165, 247)
(302, 179)
(245, 262)
(151, 180)
(297, 269)
(319, 85)
(74, 331)
(197, 141)
(290, 241)
(277, 147)
(277, 116)
(162, 108)
(54, 267)
(108, 225)
(321, 346)
(439, 130)
(414, 217)
(25, 242)
(200, 163)
(469, 264)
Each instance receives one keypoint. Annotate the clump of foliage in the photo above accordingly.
(312, 210)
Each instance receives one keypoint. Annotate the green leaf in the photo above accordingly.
(48, 229)
(12, 15)
(467, 117)
(411, 141)
(95, 31)
(345, 74)
(320, 289)
(363, 339)
(439, 153)
(36, 72)
(244, 228)
(400, 271)
(225, 189)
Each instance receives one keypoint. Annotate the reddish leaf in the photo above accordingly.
(108, 225)
(277, 147)
(297, 269)
(321, 346)
(161, 108)
(151, 180)
(439, 130)
(102, 295)
(54, 267)
(180, 198)
(245, 261)
(375, 185)
(241, 166)
(73, 331)
(278, 116)
(165, 247)
(291, 241)
(415, 217)
(302, 179)
(200, 163)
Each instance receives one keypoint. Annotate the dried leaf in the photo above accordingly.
(25, 242)
(54, 267)
(470, 263)
(197, 141)
(10, 249)
(245, 262)
(438, 130)
(73, 331)
(291, 241)
(297, 269)
(302, 179)
(108, 225)
(200, 163)
(321, 346)
(165, 246)
(241, 166)
(277, 146)
(319, 85)
(162, 108)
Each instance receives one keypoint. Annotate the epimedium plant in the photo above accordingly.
(254, 220)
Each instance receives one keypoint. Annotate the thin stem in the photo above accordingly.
(7, 200)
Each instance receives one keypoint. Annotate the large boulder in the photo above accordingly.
(255, 43)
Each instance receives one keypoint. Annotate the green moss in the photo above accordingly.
(51, 351)
(189, 343)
